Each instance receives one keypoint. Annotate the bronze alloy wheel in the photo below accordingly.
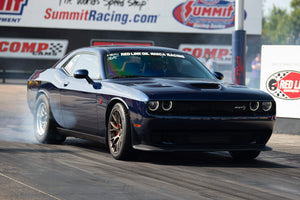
(119, 132)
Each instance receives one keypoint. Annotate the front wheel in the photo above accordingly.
(244, 155)
(44, 124)
(118, 133)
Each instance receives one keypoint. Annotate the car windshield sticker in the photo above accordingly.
(113, 56)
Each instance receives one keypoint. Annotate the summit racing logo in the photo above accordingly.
(210, 2)
(12, 7)
(284, 85)
(206, 14)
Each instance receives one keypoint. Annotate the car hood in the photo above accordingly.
(191, 89)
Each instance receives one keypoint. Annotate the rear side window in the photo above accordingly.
(84, 61)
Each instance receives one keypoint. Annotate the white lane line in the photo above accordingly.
(24, 184)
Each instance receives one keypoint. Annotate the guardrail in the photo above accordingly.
(14, 74)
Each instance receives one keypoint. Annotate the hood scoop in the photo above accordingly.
(137, 83)
(157, 85)
(206, 85)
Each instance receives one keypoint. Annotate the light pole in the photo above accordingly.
(239, 45)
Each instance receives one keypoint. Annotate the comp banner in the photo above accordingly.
(185, 16)
(32, 48)
(280, 77)
(222, 54)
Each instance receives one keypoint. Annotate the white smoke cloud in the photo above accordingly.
(16, 120)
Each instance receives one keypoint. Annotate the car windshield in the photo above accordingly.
(154, 64)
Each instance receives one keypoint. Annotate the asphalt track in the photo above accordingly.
(81, 169)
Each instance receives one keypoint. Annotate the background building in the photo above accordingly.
(35, 34)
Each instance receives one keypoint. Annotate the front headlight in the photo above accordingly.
(153, 105)
(254, 106)
(167, 105)
(266, 105)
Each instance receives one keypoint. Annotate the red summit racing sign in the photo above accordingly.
(206, 14)
(284, 85)
(32, 48)
(12, 7)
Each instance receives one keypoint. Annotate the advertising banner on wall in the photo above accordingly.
(101, 42)
(183, 16)
(280, 77)
(32, 48)
(222, 54)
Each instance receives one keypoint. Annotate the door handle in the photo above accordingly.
(66, 83)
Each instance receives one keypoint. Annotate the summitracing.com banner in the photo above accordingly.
(185, 16)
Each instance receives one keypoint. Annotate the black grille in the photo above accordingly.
(213, 108)
(210, 138)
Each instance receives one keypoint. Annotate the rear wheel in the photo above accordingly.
(118, 133)
(44, 124)
(244, 155)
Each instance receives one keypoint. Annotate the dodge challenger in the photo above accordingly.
(136, 98)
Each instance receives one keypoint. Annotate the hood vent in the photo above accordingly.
(136, 83)
(157, 85)
(206, 85)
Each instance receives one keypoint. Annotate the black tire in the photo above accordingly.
(119, 133)
(244, 155)
(44, 124)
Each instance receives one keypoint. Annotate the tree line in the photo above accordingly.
(281, 27)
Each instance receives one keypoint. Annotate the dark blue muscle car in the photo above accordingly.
(150, 99)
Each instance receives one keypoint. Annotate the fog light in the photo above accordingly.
(153, 105)
(266, 106)
(254, 106)
(167, 105)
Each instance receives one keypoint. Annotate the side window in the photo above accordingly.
(69, 66)
(84, 61)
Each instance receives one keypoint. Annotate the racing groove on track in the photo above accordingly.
(85, 170)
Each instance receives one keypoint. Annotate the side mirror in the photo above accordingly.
(219, 75)
(83, 74)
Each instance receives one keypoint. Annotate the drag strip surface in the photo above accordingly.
(81, 169)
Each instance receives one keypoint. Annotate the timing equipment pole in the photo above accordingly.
(238, 45)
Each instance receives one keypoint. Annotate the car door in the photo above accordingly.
(78, 97)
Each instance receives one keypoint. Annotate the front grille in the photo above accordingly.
(213, 108)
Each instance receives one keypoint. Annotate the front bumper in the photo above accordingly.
(206, 148)
(158, 133)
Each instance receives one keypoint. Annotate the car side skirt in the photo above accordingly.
(81, 135)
